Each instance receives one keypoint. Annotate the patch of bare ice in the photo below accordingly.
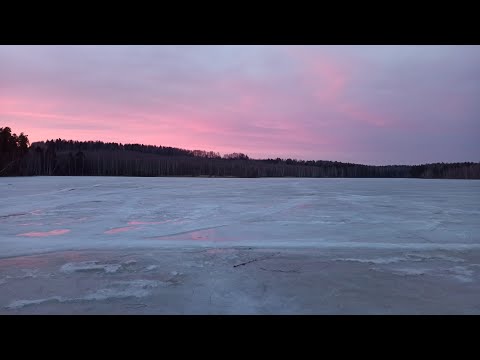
(407, 257)
(409, 272)
(462, 273)
(89, 266)
(123, 289)
(118, 290)
(18, 304)
(433, 257)
(29, 273)
(377, 261)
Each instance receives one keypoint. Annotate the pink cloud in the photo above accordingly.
(359, 113)
(292, 101)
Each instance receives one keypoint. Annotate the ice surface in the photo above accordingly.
(89, 266)
(120, 230)
(45, 233)
(18, 304)
(406, 257)
(124, 289)
(462, 273)
(118, 290)
(308, 245)
(109, 212)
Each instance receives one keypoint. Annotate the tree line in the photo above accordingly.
(95, 158)
(12, 149)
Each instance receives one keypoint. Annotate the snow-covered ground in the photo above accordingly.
(200, 245)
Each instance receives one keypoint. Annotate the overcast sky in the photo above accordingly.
(364, 104)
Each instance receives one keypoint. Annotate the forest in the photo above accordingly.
(96, 158)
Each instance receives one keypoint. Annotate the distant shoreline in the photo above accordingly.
(95, 158)
(231, 177)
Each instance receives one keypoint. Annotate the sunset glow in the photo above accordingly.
(363, 104)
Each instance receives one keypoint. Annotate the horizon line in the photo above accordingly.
(250, 158)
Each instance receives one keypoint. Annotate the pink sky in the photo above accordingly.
(364, 104)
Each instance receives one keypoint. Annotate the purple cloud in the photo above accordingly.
(367, 104)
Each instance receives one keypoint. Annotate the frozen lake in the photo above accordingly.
(200, 245)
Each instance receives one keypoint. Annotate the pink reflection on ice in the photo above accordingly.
(36, 212)
(30, 224)
(119, 230)
(45, 233)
